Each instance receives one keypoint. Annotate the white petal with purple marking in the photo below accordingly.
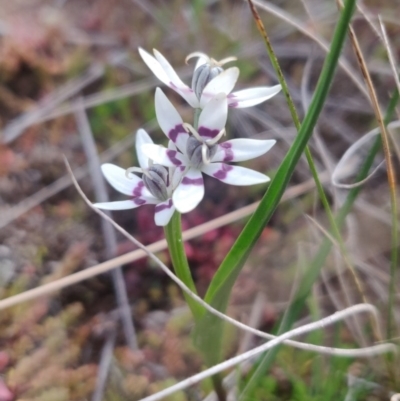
(117, 205)
(253, 96)
(237, 150)
(234, 175)
(163, 212)
(142, 137)
(155, 67)
(213, 117)
(169, 120)
(117, 178)
(177, 175)
(169, 70)
(165, 157)
(175, 82)
(222, 83)
(189, 192)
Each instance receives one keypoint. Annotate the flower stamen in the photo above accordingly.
(212, 62)
(189, 128)
(217, 137)
(131, 170)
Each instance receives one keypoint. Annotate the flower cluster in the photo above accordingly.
(172, 177)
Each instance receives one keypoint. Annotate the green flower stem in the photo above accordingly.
(196, 117)
(173, 234)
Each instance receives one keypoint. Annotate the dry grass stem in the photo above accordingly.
(158, 246)
(327, 321)
(108, 232)
(51, 287)
(302, 27)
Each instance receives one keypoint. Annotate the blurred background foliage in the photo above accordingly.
(54, 51)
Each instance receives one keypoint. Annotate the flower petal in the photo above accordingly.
(175, 82)
(222, 83)
(165, 157)
(189, 192)
(142, 137)
(118, 205)
(116, 176)
(234, 175)
(237, 150)
(177, 175)
(155, 67)
(163, 212)
(251, 97)
(170, 121)
(213, 117)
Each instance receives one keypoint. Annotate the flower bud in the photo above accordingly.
(203, 75)
(156, 181)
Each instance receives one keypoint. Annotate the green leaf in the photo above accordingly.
(207, 334)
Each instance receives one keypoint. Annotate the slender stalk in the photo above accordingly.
(216, 379)
(196, 118)
(173, 235)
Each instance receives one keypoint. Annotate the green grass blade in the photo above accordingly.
(312, 274)
(209, 329)
(240, 250)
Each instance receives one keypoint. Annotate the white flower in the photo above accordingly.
(221, 82)
(199, 153)
(155, 186)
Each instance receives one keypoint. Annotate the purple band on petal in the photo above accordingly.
(138, 189)
(139, 201)
(163, 206)
(207, 132)
(233, 104)
(174, 132)
(192, 181)
(223, 172)
(227, 147)
(172, 156)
